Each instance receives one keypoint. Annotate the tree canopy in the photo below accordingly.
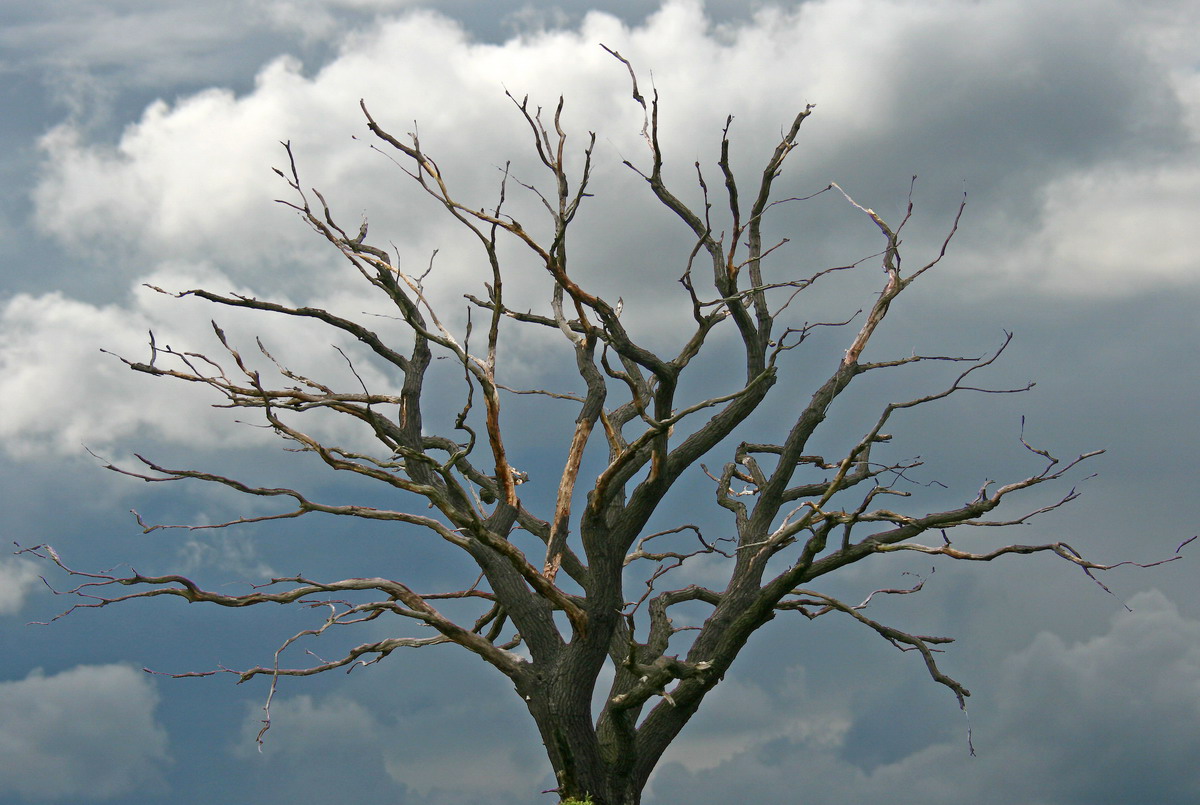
(577, 595)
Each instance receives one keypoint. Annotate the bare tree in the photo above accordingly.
(601, 588)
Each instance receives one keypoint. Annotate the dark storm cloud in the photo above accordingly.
(1059, 707)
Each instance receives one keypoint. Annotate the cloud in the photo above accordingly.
(169, 187)
(1116, 228)
(318, 20)
(63, 392)
(413, 744)
(1112, 231)
(83, 734)
(1069, 703)
(188, 183)
(302, 725)
(225, 552)
(1056, 731)
(139, 44)
(190, 178)
(744, 716)
(18, 577)
(49, 355)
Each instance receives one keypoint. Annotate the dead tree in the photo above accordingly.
(552, 619)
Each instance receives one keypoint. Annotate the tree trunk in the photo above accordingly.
(560, 701)
(563, 717)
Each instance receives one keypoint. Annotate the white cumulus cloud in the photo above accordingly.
(188, 184)
(63, 392)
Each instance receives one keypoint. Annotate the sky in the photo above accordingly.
(139, 138)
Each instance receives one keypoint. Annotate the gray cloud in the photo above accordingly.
(18, 578)
(82, 734)
(1053, 731)
(450, 733)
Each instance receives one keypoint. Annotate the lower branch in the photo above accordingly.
(400, 600)
(1061, 549)
(901, 640)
